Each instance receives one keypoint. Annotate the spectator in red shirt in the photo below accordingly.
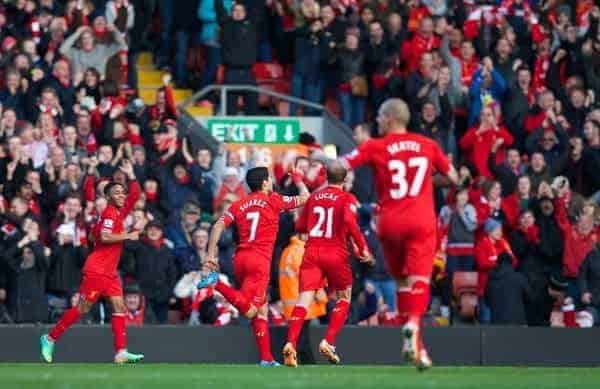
(422, 42)
(479, 140)
(487, 249)
(579, 237)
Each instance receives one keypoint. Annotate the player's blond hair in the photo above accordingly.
(396, 110)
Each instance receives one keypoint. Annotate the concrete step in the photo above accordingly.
(145, 58)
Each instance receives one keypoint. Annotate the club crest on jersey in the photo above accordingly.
(108, 223)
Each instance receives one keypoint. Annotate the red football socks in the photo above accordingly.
(337, 320)
(403, 303)
(260, 327)
(68, 318)
(235, 297)
(295, 324)
(118, 329)
(413, 302)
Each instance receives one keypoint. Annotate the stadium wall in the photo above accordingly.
(453, 346)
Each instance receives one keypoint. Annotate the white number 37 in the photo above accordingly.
(399, 179)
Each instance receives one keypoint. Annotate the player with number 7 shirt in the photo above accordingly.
(403, 165)
(257, 219)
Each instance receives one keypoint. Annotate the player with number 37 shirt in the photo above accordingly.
(257, 219)
(403, 165)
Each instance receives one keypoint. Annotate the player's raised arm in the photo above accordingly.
(297, 177)
(133, 187)
(302, 222)
(357, 157)
(453, 175)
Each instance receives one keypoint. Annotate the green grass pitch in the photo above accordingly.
(190, 376)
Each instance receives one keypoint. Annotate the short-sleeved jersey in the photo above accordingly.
(329, 218)
(257, 219)
(403, 166)
(104, 259)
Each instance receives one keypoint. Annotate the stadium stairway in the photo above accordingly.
(149, 80)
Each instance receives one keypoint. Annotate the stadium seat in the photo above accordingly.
(267, 71)
(464, 291)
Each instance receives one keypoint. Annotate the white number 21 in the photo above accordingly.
(398, 170)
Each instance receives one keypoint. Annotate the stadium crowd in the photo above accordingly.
(510, 89)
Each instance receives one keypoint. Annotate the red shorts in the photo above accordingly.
(93, 286)
(319, 263)
(409, 249)
(252, 272)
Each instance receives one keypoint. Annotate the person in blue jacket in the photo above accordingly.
(487, 84)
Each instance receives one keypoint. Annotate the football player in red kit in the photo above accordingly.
(403, 165)
(257, 219)
(100, 278)
(329, 218)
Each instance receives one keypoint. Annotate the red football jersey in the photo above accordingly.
(257, 219)
(329, 217)
(403, 166)
(104, 259)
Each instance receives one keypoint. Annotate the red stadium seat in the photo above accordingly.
(267, 71)
(464, 291)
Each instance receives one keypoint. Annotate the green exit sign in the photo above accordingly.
(265, 131)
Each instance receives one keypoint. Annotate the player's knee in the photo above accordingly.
(84, 306)
(345, 294)
(411, 280)
(251, 313)
(402, 282)
(306, 298)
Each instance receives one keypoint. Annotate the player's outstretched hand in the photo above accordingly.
(297, 176)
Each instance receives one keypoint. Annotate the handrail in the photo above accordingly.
(223, 89)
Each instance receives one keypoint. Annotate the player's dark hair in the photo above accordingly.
(336, 173)
(255, 178)
(109, 187)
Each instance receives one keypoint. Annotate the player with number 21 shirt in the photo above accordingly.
(329, 219)
(257, 219)
(403, 165)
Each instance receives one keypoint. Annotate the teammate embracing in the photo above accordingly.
(403, 165)
(329, 218)
(256, 217)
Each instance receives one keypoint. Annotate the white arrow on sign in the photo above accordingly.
(289, 133)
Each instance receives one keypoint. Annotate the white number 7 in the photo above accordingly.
(253, 216)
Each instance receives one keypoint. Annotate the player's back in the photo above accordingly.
(403, 166)
(257, 219)
(326, 216)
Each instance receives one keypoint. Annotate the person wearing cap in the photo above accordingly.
(507, 293)
(179, 233)
(487, 249)
(231, 185)
(138, 311)
(155, 269)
